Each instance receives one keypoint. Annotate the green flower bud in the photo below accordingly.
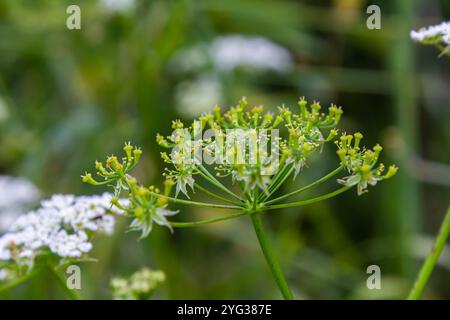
(162, 141)
(365, 170)
(137, 152)
(177, 124)
(277, 121)
(377, 149)
(358, 136)
(128, 148)
(141, 191)
(302, 104)
(87, 178)
(392, 170)
(168, 184)
(139, 213)
(341, 154)
(216, 112)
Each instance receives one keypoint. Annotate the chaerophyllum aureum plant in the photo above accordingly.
(240, 158)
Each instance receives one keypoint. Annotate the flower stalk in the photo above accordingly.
(431, 260)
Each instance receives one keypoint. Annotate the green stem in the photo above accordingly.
(255, 209)
(19, 280)
(208, 176)
(72, 294)
(207, 221)
(279, 184)
(270, 257)
(431, 260)
(315, 183)
(196, 203)
(212, 194)
(309, 201)
(274, 181)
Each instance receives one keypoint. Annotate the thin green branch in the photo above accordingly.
(308, 201)
(208, 176)
(215, 195)
(260, 210)
(19, 280)
(72, 294)
(274, 181)
(207, 221)
(196, 203)
(279, 183)
(431, 260)
(315, 183)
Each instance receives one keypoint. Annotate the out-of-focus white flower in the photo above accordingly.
(230, 52)
(16, 192)
(227, 53)
(3, 274)
(433, 34)
(7, 217)
(61, 225)
(17, 195)
(197, 96)
(4, 112)
(118, 5)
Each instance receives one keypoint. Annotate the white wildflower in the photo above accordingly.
(197, 96)
(4, 274)
(230, 52)
(16, 192)
(433, 34)
(118, 5)
(61, 225)
(17, 196)
(227, 53)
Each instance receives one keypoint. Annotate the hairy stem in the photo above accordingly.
(431, 260)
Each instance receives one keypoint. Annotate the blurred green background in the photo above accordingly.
(68, 97)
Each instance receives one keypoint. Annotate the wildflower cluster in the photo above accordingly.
(241, 139)
(361, 163)
(145, 205)
(140, 286)
(438, 35)
(62, 228)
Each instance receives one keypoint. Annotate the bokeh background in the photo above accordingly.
(68, 97)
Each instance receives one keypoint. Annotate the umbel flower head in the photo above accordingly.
(305, 132)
